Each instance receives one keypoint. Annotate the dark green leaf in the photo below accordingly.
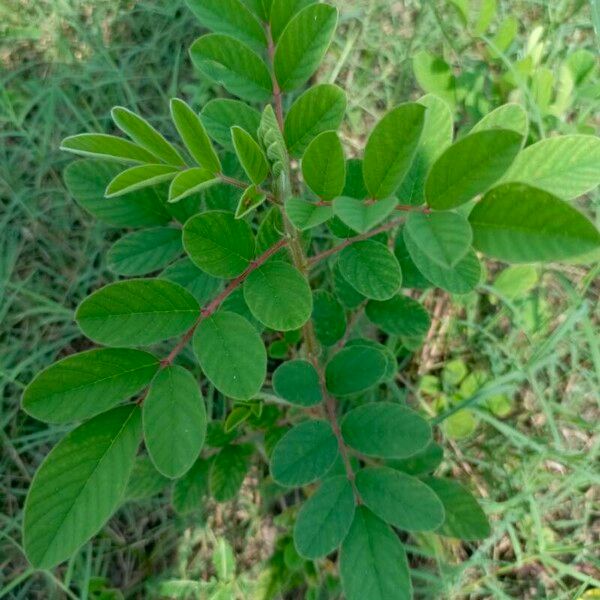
(189, 491)
(354, 370)
(391, 367)
(423, 462)
(202, 286)
(399, 316)
(145, 481)
(345, 293)
(228, 471)
(297, 381)
(324, 166)
(328, 317)
(250, 154)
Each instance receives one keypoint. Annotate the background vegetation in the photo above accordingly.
(530, 447)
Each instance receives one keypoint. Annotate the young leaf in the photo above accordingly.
(279, 296)
(303, 44)
(190, 181)
(202, 286)
(464, 517)
(444, 237)
(79, 485)
(83, 385)
(325, 519)
(143, 134)
(139, 177)
(372, 269)
(143, 252)
(385, 430)
(508, 116)
(174, 419)
(252, 198)
(373, 562)
(228, 471)
(137, 312)
(106, 146)
(399, 316)
(218, 243)
(189, 491)
(271, 138)
(399, 499)
(470, 167)
(304, 454)
(362, 216)
(321, 108)
(566, 166)
(233, 65)
(354, 370)
(220, 115)
(324, 166)
(297, 382)
(305, 215)
(194, 136)
(282, 11)
(328, 318)
(391, 149)
(231, 354)
(250, 154)
(518, 223)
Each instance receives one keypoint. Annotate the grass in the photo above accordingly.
(64, 64)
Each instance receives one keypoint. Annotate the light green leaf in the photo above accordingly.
(304, 454)
(386, 430)
(174, 420)
(202, 286)
(354, 370)
(325, 518)
(83, 385)
(464, 517)
(435, 76)
(145, 481)
(79, 485)
(224, 561)
(372, 269)
(231, 354)
(324, 166)
(373, 562)
(518, 223)
(391, 149)
(508, 116)
(303, 45)
(139, 177)
(566, 166)
(106, 146)
(328, 317)
(218, 243)
(220, 115)
(321, 108)
(362, 216)
(137, 312)
(400, 499)
(228, 471)
(305, 215)
(297, 382)
(250, 154)
(516, 281)
(399, 316)
(279, 296)
(189, 491)
(251, 199)
(190, 181)
(470, 167)
(194, 136)
(144, 135)
(230, 17)
(282, 11)
(143, 252)
(233, 65)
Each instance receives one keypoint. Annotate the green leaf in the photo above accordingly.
(250, 154)
(224, 561)
(566, 166)
(518, 223)
(282, 11)
(412, 278)
(79, 485)
(345, 293)
(399, 499)
(137, 312)
(354, 370)
(145, 481)
(194, 136)
(202, 286)
(139, 177)
(304, 454)
(386, 430)
(231, 354)
(421, 463)
(435, 76)
(305, 215)
(297, 382)
(328, 318)
(174, 420)
(220, 115)
(372, 269)
(324, 166)
(390, 358)
(143, 134)
(373, 562)
(219, 244)
(321, 108)
(362, 216)
(261, 8)
(143, 252)
(470, 167)
(508, 116)
(443, 237)
(106, 146)
(228, 471)
(516, 281)
(303, 45)
(251, 199)
(83, 385)
(190, 181)
(230, 17)
(233, 65)
(279, 296)
(189, 491)
(325, 518)
(391, 149)
(399, 316)
(464, 517)
(87, 180)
